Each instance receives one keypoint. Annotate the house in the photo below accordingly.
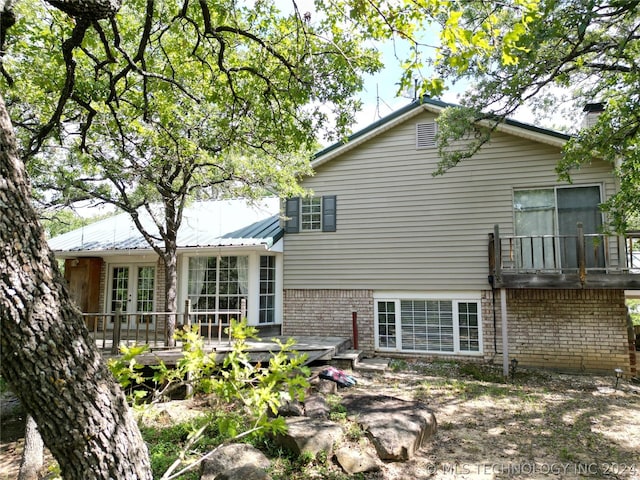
(495, 256)
(495, 260)
(229, 263)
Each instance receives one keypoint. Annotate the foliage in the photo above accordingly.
(248, 395)
(173, 101)
(633, 305)
(588, 49)
(168, 443)
(258, 387)
(172, 98)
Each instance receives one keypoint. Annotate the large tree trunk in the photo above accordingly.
(47, 356)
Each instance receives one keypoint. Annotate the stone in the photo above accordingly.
(236, 461)
(353, 460)
(326, 387)
(397, 428)
(309, 435)
(289, 407)
(315, 406)
(244, 473)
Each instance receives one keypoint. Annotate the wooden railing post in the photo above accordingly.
(187, 313)
(116, 328)
(581, 253)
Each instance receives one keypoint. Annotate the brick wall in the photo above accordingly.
(573, 330)
(329, 313)
(581, 330)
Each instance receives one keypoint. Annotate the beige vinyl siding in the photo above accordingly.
(400, 228)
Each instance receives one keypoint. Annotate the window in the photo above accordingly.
(217, 284)
(267, 289)
(387, 324)
(428, 325)
(547, 219)
(312, 214)
(426, 135)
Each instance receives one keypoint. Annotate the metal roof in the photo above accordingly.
(222, 223)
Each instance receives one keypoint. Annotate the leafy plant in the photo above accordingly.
(246, 393)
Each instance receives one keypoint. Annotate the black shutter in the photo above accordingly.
(292, 212)
(329, 213)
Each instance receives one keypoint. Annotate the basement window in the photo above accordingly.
(428, 325)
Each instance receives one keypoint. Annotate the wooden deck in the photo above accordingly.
(317, 349)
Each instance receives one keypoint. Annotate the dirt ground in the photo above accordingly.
(537, 425)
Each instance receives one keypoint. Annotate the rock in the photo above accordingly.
(326, 387)
(355, 461)
(289, 407)
(235, 461)
(309, 435)
(243, 473)
(397, 428)
(315, 406)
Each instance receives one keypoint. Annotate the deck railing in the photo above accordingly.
(580, 253)
(110, 330)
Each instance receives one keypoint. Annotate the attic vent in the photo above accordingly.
(426, 135)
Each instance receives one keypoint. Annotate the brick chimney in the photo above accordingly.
(592, 112)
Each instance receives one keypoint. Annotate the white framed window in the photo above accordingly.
(311, 214)
(216, 284)
(267, 308)
(417, 323)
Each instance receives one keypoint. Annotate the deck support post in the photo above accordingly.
(497, 256)
(505, 336)
(580, 251)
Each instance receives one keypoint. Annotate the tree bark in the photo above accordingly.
(171, 289)
(48, 358)
(33, 452)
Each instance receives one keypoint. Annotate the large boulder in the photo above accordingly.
(237, 461)
(310, 435)
(397, 428)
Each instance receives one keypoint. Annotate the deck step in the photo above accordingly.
(372, 364)
(347, 359)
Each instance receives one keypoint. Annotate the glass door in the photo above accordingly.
(133, 290)
(535, 215)
(580, 205)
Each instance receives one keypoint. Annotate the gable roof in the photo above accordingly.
(223, 223)
(513, 127)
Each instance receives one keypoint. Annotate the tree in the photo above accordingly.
(32, 453)
(590, 49)
(173, 99)
(48, 358)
